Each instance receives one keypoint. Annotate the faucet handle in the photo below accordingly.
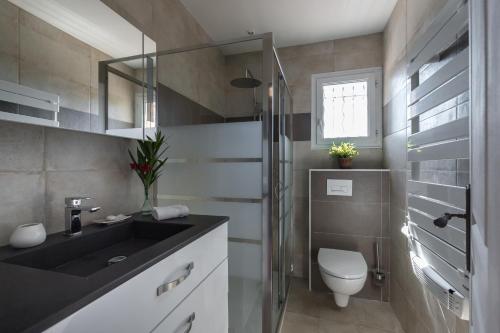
(75, 201)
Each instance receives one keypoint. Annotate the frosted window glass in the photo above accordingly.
(345, 110)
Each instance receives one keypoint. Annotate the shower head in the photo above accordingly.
(246, 82)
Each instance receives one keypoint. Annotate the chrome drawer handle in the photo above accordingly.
(189, 321)
(172, 284)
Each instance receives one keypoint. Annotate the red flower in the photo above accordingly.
(145, 168)
(133, 166)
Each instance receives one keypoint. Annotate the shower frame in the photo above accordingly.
(272, 74)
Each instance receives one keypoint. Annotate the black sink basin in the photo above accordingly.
(87, 254)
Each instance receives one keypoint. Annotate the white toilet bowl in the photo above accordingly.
(344, 272)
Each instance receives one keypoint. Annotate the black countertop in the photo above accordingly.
(32, 300)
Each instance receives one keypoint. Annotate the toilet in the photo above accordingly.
(344, 272)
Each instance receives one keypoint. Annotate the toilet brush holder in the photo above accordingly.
(378, 277)
(378, 274)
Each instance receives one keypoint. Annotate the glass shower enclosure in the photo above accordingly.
(226, 110)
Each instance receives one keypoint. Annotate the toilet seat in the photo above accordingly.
(342, 264)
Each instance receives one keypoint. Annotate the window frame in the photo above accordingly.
(373, 76)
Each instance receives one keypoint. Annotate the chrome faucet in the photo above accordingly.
(73, 211)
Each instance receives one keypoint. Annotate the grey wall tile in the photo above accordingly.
(306, 50)
(70, 150)
(395, 148)
(301, 237)
(355, 60)
(366, 43)
(21, 147)
(317, 283)
(22, 198)
(395, 113)
(300, 183)
(386, 186)
(346, 218)
(385, 224)
(301, 126)
(9, 48)
(398, 189)
(114, 191)
(398, 219)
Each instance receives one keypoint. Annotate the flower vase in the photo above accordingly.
(147, 207)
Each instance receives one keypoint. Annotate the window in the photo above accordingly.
(347, 106)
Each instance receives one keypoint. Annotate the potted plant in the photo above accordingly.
(344, 153)
(148, 164)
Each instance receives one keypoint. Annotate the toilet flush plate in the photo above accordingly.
(341, 187)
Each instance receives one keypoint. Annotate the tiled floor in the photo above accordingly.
(310, 312)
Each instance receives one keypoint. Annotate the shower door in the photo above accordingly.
(282, 198)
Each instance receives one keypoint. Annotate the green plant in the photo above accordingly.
(343, 150)
(148, 164)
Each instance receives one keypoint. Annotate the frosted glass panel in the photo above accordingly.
(245, 299)
(245, 260)
(193, 172)
(288, 149)
(245, 219)
(234, 180)
(232, 140)
(288, 200)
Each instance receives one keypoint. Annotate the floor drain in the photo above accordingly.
(116, 260)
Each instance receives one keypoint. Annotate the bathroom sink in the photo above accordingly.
(93, 251)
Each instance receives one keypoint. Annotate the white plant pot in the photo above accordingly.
(28, 235)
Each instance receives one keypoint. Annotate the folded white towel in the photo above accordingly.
(170, 212)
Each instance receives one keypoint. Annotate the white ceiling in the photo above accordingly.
(294, 22)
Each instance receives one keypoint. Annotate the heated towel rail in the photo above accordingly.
(35, 100)
(438, 153)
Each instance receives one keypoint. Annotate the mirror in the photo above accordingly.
(64, 63)
(210, 84)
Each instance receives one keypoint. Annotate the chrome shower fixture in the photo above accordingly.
(249, 81)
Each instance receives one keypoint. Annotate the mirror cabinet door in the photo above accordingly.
(51, 67)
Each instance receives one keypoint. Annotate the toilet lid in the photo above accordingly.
(342, 264)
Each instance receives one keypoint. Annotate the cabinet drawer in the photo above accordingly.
(205, 310)
(139, 304)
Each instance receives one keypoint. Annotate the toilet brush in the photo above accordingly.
(378, 274)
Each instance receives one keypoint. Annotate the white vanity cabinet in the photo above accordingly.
(193, 280)
(204, 310)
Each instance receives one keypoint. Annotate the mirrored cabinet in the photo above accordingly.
(75, 64)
